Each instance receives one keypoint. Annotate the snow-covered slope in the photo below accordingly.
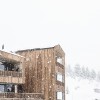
(81, 89)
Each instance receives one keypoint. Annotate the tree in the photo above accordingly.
(98, 76)
(83, 72)
(70, 71)
(77, 70)
(93, 74)
(87, 73)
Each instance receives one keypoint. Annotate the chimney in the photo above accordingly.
(2, 46)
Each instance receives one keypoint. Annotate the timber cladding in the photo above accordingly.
(12, 57)
(11, 60)
(40, 71)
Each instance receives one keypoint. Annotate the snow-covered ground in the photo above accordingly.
(82, 89)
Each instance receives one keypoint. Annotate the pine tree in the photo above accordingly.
(83, 72)
(87, 73)
(70, 71)
(77, 70)
(93, 74)
(98, 76)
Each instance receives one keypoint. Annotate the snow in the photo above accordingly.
(13, 53)
(82, 89)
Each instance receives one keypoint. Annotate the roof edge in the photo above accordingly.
(33, 49)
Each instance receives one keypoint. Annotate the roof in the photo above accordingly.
(56, 48)
(10, 57)
(33, 49)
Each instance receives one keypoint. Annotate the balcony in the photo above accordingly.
(10, 73)
(8, 56)
(11, 68)
(11, 77)
(60, 83)
(60, 65)
(21, 96)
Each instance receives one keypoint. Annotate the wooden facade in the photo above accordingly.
(41, 69)
(12, 78)
(11, 75)
(33, 74)
(21, 96)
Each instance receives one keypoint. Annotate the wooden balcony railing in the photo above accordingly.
(60, 65)
(10, 73)
(60, 83)
(35, 96)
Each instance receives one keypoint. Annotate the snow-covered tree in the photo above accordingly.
(93, 74)
(83, 72)
(77, 70)
(87, 73)
(98, 76)
(70, 71)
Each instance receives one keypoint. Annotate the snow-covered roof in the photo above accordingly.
(34, 49)
(10, 56)
(57, 48)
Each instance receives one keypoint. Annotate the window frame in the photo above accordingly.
(57, 95)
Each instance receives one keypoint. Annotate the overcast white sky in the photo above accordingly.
(74, 24)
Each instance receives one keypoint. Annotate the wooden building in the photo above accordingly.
(45, 72)
(12, 78)
(11, 70)
(33, 74)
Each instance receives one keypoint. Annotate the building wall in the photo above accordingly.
(40, 72)
(11, 70)
(60, 68)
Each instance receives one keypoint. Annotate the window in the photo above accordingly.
(59, 60)
(59, 77)
(60, 96)
(2, 67)
(1, 88)
(9, 88)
